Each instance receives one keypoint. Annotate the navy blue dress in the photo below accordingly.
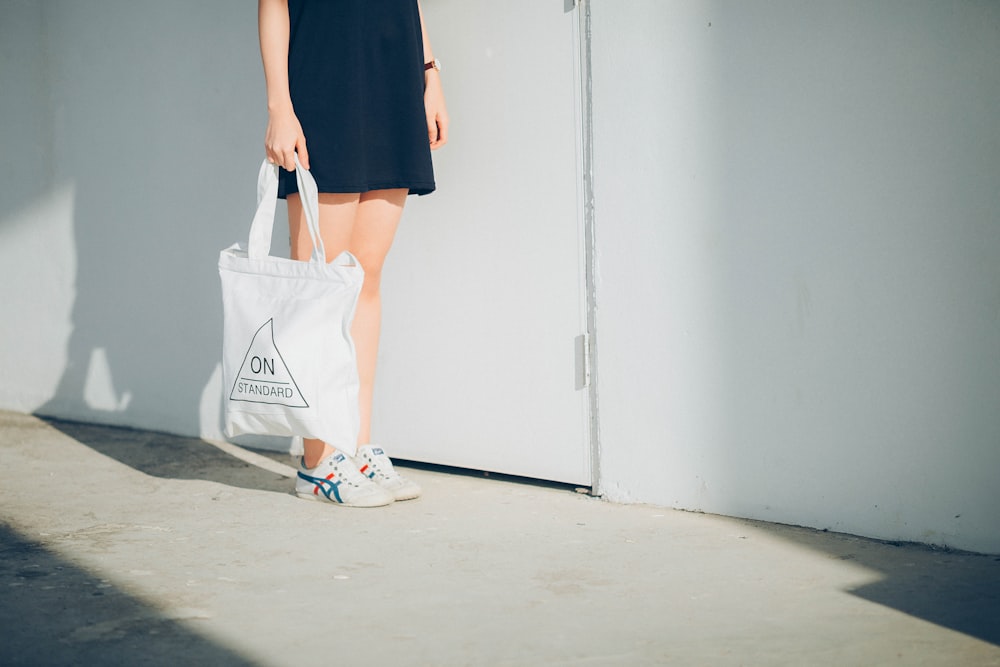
(356, 78)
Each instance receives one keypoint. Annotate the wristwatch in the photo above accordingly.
(435, 64)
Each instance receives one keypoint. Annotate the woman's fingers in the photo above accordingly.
(285, 158)
(437, 114)
(303, 152)
(437, 130)
(432, 130)
(283, 138)
(288, 159)
(282, 157)
(442, 131)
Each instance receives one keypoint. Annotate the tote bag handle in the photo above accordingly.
(259, 246)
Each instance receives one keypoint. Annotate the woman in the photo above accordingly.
(353, 88)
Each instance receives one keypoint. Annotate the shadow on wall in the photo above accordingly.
(64, 615)
(162, 143)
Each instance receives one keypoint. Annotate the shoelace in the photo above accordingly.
(349, 472)
(382, 465)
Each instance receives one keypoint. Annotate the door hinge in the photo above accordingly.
(581, 346)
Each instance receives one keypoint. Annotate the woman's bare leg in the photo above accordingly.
(374, 229)
(366, 225)
(337, 213)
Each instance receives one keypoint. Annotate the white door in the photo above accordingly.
(483, 293)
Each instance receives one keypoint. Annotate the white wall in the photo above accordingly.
(798, 246)
(131, 137)
(799, 303)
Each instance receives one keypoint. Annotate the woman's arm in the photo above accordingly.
(437, 114)
(284, 135)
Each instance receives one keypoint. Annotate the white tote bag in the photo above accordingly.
(288, 361)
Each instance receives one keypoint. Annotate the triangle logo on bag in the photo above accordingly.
(264, 377)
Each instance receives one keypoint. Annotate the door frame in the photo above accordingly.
(586, 137)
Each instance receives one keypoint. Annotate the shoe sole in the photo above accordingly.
(324, 499)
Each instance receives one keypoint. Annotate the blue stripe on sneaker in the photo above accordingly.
(321, 484)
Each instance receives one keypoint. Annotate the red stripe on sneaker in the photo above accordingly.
(316, 488)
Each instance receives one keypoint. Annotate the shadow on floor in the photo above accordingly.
(953, 589)
(54, 613)
(176, 457)
(171, 456)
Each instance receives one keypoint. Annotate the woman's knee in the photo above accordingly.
(373, 279)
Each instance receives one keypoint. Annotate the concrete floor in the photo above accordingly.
(122, 547)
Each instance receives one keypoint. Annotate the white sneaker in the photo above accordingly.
(338, 480)
(375, 464)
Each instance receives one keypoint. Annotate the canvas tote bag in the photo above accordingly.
(288, 361)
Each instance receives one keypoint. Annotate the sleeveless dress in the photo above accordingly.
(356, 79)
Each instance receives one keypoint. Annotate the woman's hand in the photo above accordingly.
(284, 138)
(437, 114)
